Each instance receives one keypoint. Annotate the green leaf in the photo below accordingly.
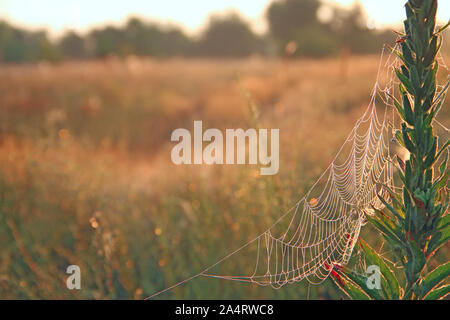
(388, 232)
(415, 80)
(405, 81)
(407, 141)
(431, 155)
(433, 49)
(399, 54)
(440, 97)
(418, 257)
(375, 259)
(399, 137)
(431, 22)
(434, 278)
(438, 239)
(429, 87)
(361, 281)
(438, 293)
(409, 116)
(406, 54)
(445, 221)
(391, 208)
(443, 165)
(398, 107)
(352, 291)
(396, 198)
(444, 147)
(409, 11)
(440, 183)
(415, 35)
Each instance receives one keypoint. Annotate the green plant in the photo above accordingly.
(415, 223)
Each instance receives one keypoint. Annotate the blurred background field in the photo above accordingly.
(86, 176)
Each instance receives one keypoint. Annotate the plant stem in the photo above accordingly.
(418, 88)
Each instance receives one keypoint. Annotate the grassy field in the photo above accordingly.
(86, 176)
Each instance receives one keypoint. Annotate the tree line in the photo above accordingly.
(294, 28)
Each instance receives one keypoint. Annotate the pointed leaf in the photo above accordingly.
(438, 239)
(438, 293)
(374, 258)
(352, 291)
(361, 281)
(434, 278)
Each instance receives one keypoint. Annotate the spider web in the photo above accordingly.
(321, 229)
(324, 225)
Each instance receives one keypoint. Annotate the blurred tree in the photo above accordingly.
(108, 41)
(228, 36)
(175, 42)
(350, 27)
(296, 21)
(292, 24)
(11, 44)
(140, 38)
(47, 50)
(316, 41)
(286, 16)
(24, 46)
(73, 46)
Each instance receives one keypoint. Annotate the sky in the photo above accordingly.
(80, 15)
